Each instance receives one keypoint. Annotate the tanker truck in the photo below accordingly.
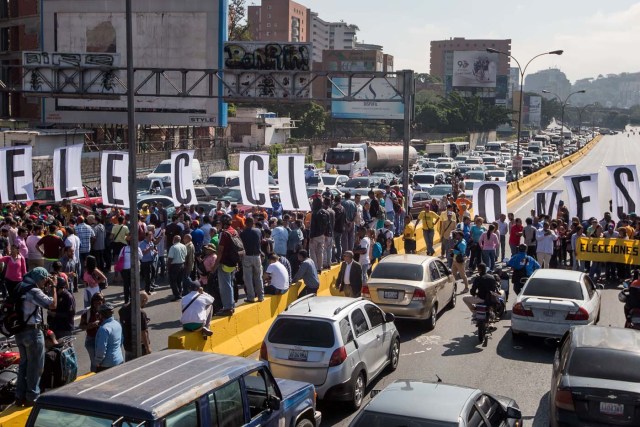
(351, 159)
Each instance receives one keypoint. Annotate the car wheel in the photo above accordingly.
(394, 355)
(452, 302)
(433, 318)
(304, 423)
(359, 387)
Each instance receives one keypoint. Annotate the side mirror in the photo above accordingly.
(273, 403)
(389, 317)
(514, 413)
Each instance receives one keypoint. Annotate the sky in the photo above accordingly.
(598, 37)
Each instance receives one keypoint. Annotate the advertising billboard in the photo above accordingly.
(189, 34)
(535, 111)
(474, 69)
(370, 91)
(289, 63)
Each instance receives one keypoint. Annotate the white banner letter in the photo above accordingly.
(16, 181)
(67, 179)
(293, 190)
(182, 191)
(114, 174)
(624, 189)
(583, 196)
(254, 179)
(490, 199)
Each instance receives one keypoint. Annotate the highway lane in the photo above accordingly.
(520, 369)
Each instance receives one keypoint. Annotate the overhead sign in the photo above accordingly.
(371, 92)
(289, 66)
(474, 69)
(184, 35)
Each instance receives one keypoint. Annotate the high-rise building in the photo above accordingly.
(331, 35)
(19, 31)
(514, 82)
(464, 65)
(552, 80)
(279, 21)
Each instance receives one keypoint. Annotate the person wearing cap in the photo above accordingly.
(40, 294)
(108, 339)
(197, 310)
(124, 314)
(522, 266)
(350, 276)
(61, 319)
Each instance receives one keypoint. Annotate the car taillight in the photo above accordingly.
(564, 400)
(339, 355)
(264, 354)
(419, 295)
(519, 310)
(581, 314)
(365, 292)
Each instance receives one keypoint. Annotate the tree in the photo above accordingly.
(311, 121)
(238, 26)
(549, 109)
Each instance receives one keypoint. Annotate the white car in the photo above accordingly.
(427, 180)
(468, 187)
(499, 173)
(552, 301)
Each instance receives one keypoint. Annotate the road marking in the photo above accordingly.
(429, 340)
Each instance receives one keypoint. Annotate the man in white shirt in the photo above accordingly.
(544, 240)
(276, 276)
(363, 249)
(197, 309)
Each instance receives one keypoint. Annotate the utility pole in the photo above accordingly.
(408, 113)
(136, 332)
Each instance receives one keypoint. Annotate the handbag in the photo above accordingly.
(120, 263)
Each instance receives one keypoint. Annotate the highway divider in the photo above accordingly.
(242, 333)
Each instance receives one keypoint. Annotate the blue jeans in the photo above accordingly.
(489, 258)
(225, 283)
(31, 347)
(391, 216)
(428, 239)
(90, 345)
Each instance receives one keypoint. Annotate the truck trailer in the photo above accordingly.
(351, 159)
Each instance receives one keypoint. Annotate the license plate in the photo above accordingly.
(390, 294)
(548, 313)
(611, 408)
(481, 315)
(299, 355)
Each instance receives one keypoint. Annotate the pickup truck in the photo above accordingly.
(89, 198)
(180, 388)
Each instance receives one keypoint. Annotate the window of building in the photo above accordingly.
(268, 24)
(268, 33)
(269, 7)
(269, 15)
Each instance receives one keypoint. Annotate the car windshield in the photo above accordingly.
(234, 196)
(444, 166)
(606, 364)
(357, 183)
(45, 194)
(472, 161)
(143, 184)
(499, 174)
(340, 157)
(302, 332)
(468, 185)
(377, 419)
(553, 288)
(218, 181)
(314, 180)
(439, 191)
(398, 271)
(329, 180)
(163, 168)
(425, 179)
(479, 175)
(56, 418)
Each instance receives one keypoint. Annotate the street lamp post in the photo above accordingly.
(563, 104)
(522, 72)
(580, 111)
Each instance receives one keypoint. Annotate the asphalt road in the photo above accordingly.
(521, 369)
(451, 351)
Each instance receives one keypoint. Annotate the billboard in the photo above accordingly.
(371, 92)
(289, 66)
(535, 111)
(474, 69)
(166, 34)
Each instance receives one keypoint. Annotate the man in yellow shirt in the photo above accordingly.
(429, 221)
(409, 236)
(333, 170)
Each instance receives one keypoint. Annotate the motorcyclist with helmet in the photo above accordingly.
(483, 288)
(522, 266)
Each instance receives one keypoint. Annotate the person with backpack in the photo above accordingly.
(230, 253)
(31, 297)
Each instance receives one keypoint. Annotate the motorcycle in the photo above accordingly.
(8, 357)
(632, 318)
(9, 361)
(487, 314)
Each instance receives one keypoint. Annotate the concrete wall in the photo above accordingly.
(481, 138)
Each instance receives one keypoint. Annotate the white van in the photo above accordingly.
(224, 179)
(163, 171)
